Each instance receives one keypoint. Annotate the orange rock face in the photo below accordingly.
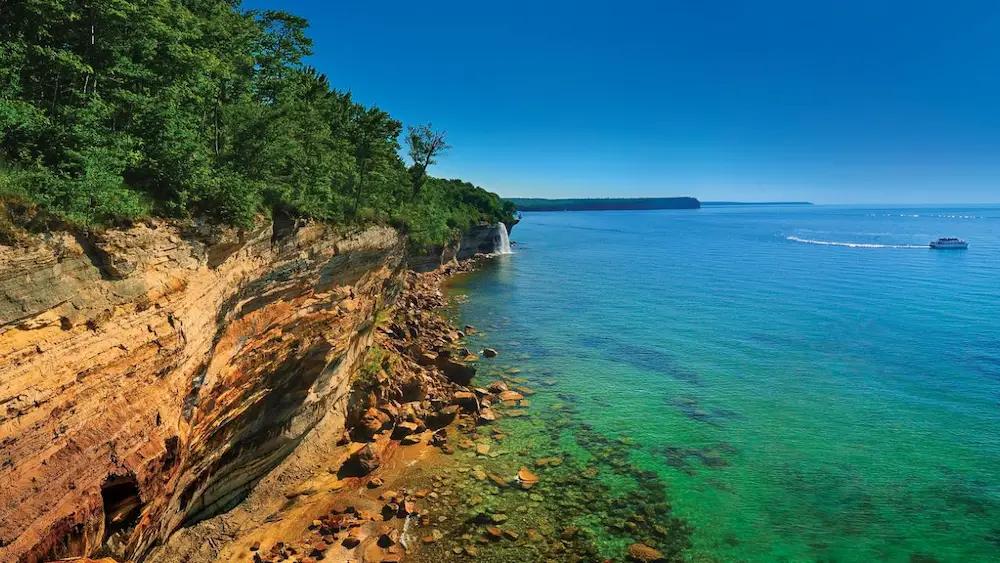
(150, 376)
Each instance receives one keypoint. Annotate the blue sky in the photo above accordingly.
(833, 101)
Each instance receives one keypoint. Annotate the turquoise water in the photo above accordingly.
(796, 400)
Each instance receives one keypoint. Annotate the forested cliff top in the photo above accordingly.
(115, 111)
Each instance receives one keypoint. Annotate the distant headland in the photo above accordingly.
(604, 204)
(629, 203)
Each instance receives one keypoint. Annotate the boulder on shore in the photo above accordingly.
(456, 371)
(427, 358)
(497, 387)
(371, 423)
(466, 400)
(404, 429)
(442, 417)
(363, 462)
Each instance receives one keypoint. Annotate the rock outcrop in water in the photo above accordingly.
(150, 376)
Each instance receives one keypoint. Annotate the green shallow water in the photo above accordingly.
(792, 399)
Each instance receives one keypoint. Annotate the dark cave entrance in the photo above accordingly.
(122, 507)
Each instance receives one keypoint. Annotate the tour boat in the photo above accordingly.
(949, 243)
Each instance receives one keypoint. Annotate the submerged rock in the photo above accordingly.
(643, 553)
(548, 462)
(511, 396)
(526, 478)
(498, 480)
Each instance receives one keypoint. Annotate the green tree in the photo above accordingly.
(374, 135)
(115, 109)
(425, 146)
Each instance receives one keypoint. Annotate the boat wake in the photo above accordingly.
(853, 244)
(931, 215)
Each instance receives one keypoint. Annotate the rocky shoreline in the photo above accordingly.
(437, 447)
(168, 388)
(409, 410)
(532, 481)
(434, 474)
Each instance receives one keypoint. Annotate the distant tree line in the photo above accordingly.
(115, 110)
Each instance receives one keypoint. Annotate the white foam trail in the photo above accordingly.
(933, 215)
(855, 244)
(503, 244)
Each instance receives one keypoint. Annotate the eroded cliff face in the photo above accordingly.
(150, 376)
(480, 239)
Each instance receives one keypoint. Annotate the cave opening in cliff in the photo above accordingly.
(122, 506)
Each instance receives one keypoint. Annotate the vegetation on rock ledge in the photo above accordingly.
(113, 111)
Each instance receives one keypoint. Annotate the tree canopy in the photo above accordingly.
(115, 110)
(425, 146)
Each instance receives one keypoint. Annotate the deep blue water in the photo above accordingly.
(810, 382)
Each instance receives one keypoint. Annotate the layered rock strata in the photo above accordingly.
(149, 377)
(340, 497)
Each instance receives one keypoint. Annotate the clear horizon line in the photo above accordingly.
(897, 203)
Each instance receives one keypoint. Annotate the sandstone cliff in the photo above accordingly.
(150, 376)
